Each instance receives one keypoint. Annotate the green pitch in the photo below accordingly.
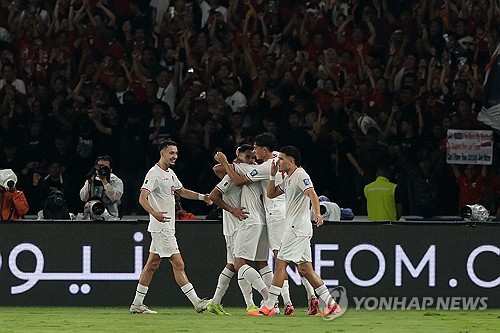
(112, 319)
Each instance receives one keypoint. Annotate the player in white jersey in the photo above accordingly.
(251, 243)
(227, 196)
(157, 198)
(296, 244)
(264, 145)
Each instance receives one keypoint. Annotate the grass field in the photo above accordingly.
(112, 319)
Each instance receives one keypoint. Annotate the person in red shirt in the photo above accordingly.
(357, 37)
(180, 213)
(471, 184)
(107, 72)
(372, 98)
(493, 192)
(13, 203)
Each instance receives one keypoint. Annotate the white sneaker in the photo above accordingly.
(140, 309)
(202, 305)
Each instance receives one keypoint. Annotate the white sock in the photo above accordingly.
(253, 278)
(274, 292)
(309, 289)
(140, 293)
(246, 291)
(324, 295)
(222, 285)
(285, 293)
(267, 275)
(190, 293)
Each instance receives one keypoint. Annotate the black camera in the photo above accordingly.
(55, 207)
(102, 170)
(55, 200)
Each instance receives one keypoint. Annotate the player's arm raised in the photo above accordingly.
(238, 180)
(311, 193)
(238, 212)
(272, 190)
(219, 170)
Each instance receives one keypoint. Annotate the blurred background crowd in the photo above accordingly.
(351, 83)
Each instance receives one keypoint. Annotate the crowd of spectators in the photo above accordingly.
(351, 83)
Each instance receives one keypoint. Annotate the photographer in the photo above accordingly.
(102, 183)
(55, 208)
(13, 202)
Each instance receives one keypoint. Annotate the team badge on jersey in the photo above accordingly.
(146, 181)
(307, 182)
(254, 172)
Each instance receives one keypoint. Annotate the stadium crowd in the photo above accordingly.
(352, 84)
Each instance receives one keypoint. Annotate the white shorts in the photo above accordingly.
(251, 242)
(163, 244)
(295, 249)
(230, 248)
(275, 230)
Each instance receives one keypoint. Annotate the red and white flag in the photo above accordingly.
(490, 113)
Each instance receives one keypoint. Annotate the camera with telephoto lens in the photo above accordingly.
(94, 208)
(55, 207)
(10, 183)
(474, 213)
(102, 170)
(55, 199)
(8, 179)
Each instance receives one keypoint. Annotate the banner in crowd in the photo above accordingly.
(469, 147)
(99, 263)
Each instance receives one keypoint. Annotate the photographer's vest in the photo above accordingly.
(380, 199)
(98, 191)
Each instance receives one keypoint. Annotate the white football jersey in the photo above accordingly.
(231, 194)
(298, 204)
(161, 185)
(275, 208)
(251, 197)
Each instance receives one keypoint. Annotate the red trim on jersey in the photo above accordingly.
(158, 164)
(311, 187)
(220, 190)
(279, 188)
(290, 175)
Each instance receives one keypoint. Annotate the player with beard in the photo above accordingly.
(157, 198)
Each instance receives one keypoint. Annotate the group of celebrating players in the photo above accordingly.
(265, 206)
